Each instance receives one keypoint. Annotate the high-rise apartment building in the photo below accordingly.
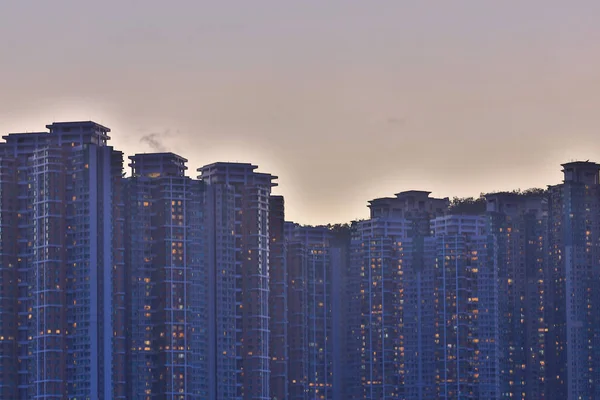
(278, 300)
(62, 243)
(9, 277)
(352, 336)
(237, 228)
(311, 272)
(297, 319)
(457, 253)
(166, 280)
(573, 342)
(378, 333)
(428, 301)
(161, 286)
(518, 228)
(341, 300)
(396, 297)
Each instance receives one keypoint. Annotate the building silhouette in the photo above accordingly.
(166, 277)
(237, 227)
(395, 286)
(310, 305)
(462, 304)
(518, 228)
(63, 255)
(157, 285)
(278, 300)
(573, 273)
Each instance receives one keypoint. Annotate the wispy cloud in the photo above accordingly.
(396, 120)
(156, 140)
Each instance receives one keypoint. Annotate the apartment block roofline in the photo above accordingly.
(403, 195)
(68, 124)
(174, 156)
(381, 200)
(586, 163)
(22, 134)
(157, 164)
(222, 167)
(228, 164)
(413, 192)
(581, 172)
(80, 127)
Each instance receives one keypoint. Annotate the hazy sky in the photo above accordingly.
(344, 100)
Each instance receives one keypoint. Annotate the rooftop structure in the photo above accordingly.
(154, 165)
(581, 171)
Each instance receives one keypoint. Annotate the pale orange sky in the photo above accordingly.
(344, 100)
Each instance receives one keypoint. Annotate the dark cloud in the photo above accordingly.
(396, 121)
(156, 140)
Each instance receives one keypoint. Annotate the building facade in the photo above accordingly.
(395, 332)
(167, 288)
(161, 286)
(518, 226)
(237, 227)
(278, 300)
(65, 252)
(310, 305)
(573, 273)
(458, 255)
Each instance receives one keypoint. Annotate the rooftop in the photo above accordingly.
(73, 124)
